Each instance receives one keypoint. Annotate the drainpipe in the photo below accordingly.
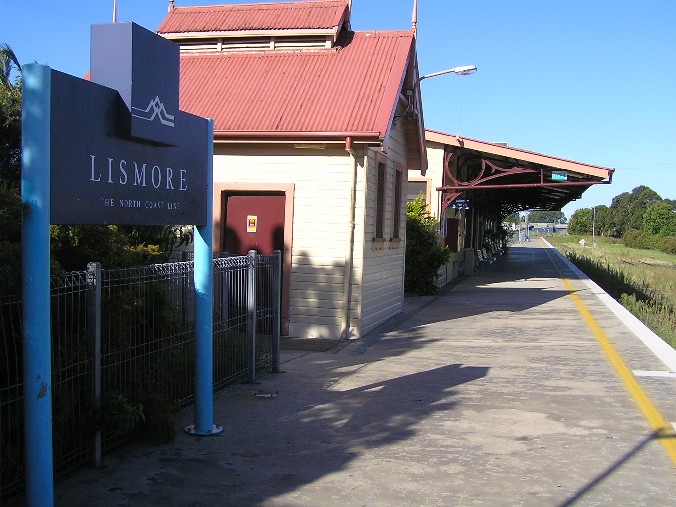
(349, 253)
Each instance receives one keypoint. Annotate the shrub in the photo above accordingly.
(659, 316)
(634, 238)
(424, 253)
(10, 239)
(647, 241)
(668, 244)
(117, 414)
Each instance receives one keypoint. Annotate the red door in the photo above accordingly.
(452, 232)
(254, 222)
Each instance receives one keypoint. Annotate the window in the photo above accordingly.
(397, 205)
(415, 188)
(380, 201)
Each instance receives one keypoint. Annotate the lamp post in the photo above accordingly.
(464, 70)
(593, 229)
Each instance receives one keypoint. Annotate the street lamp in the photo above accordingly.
(464, 70)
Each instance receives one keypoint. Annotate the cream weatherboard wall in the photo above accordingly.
(321, 227)
(322, 181)
(383, 272)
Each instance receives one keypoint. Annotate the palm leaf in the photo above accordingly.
(8, 61)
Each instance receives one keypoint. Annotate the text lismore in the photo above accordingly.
(123, 172)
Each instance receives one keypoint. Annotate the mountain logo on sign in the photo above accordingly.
(155, 109)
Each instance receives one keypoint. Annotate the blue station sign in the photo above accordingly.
(121, 151)
(112, 150)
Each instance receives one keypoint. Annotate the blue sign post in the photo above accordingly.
(204, 301)
(112, 151)
(37, 371)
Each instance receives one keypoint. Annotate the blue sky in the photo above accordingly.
(590, 81)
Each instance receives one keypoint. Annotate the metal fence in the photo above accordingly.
(123, 354)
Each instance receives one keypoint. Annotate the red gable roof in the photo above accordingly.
(317, 14)
(350, 90)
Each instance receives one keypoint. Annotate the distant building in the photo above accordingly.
(548, 228)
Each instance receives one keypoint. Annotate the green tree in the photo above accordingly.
(10, 115)
(547, 217)
(514, 218)
(660, 219)
(627, 209)
(10, 171)
(603, 222)
(581, 221)
(424, 253)
(8, 62)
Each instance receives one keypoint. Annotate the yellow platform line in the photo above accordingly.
(662, 430)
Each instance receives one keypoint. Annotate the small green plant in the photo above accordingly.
(117, 414)
(159, 420)
(659, 317)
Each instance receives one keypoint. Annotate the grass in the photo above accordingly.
(643, 281)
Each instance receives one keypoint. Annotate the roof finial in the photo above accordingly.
(414, 17)
(171, 5)
(114, 11)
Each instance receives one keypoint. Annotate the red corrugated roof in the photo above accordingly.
(352, 88)
(317, 14)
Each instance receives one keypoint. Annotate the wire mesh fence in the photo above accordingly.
(71, 371)
(123, 354)
(11, 400)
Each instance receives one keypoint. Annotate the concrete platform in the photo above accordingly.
(495, 392)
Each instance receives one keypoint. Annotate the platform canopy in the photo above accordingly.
(501, 180)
